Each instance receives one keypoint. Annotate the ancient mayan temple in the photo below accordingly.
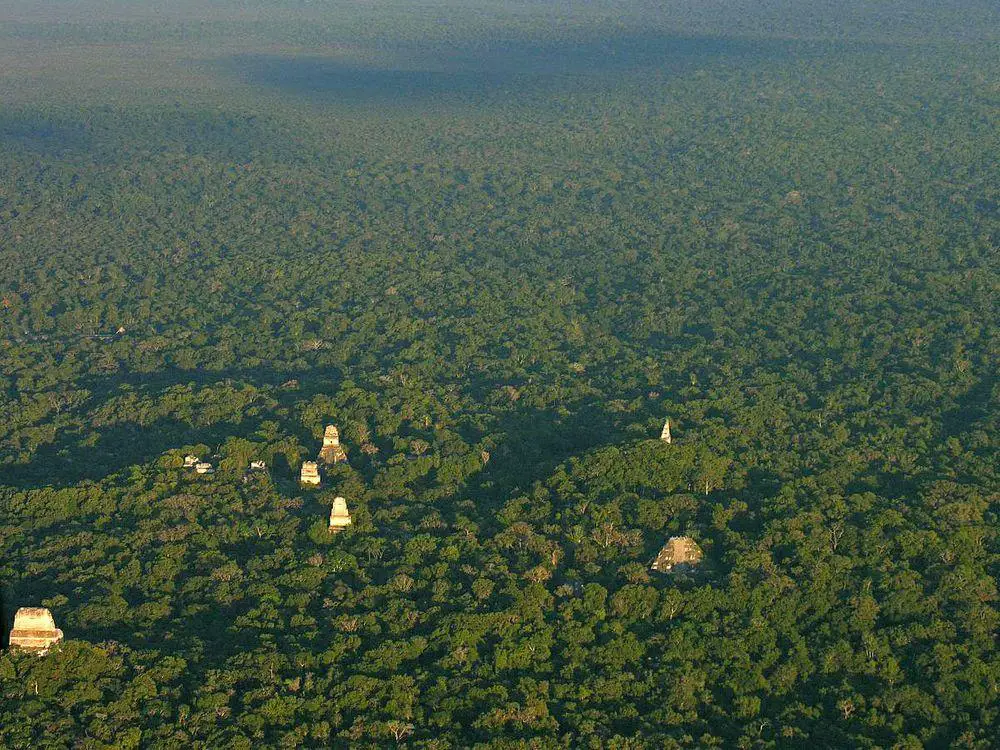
(679, 550)
(665, 435)
(332, 451)
(339, 515)
(34, 630)
(310, 473)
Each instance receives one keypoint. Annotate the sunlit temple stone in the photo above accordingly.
(679, 550)
(332, 452)
(339, 515)
(34, 630)
(310, 473)
(665, 435)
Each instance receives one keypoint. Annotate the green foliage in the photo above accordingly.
(498, 252)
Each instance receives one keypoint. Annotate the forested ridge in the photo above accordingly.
(498, 250)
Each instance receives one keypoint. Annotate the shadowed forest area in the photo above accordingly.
(499, 245)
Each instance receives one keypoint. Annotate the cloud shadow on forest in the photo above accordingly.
(415, 72)
(43, 136)
(112, 135)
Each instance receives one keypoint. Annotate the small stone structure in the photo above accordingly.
(258, 466)
(339, 515)
(310, 473)
(191, 461)
(679, 550)
(203, 467)
(332, 451)
(34, 630)
(665, 435)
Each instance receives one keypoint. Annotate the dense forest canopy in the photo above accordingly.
(499, 244)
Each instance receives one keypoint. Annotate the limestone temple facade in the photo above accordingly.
(679, 550)
(332, 451)
(34, 630)
(665, 435)
(310, 473)
(339, 515)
